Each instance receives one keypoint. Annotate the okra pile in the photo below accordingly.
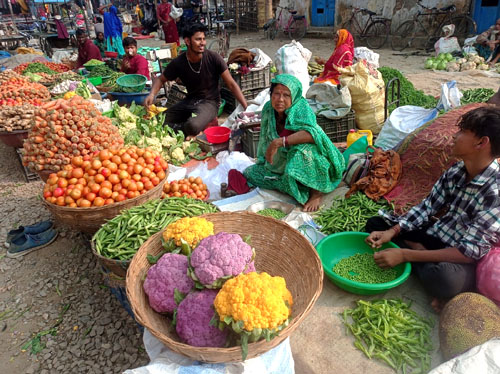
(122, 236)
(389, 330)
(348, 214)
(362, 268)
(270, 212)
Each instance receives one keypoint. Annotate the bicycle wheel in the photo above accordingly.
(377, 34)
(349, 26)
(297, 29)
(403, 35)
(214, 45)
(465, 27)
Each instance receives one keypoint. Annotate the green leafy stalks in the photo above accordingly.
(388, 329)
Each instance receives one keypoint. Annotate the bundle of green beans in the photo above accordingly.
(388, 329)
(476, 95)
(348, 214)
(362, 268)
(270, 212)
(122, 236)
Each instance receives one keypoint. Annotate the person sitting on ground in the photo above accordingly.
(100, 43)
(466, 200)
(341, 57)
(200, 71)
(132, 62)
(294, 155)
(488, 43)
(86, 49)
(98, 26)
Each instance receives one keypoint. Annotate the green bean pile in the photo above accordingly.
(348, 214)
(362, 268)
(100, 71)
(392, 332)
(122, 236)
(270, 212)
(476, 95)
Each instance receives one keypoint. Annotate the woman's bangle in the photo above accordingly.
(284, 141)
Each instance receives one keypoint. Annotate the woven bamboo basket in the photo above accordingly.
(280, 250)
(89, 220)
(116, 267)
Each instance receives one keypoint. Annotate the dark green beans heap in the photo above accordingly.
(476, 95)
(348, 214)
(100, 71)
(388, 329)
(362, 268)
(270, 212)
(122, 236)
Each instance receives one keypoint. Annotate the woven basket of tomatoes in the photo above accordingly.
(189, 187)
(95, 189)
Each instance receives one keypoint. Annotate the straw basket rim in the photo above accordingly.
(136, 296)
(98, 209)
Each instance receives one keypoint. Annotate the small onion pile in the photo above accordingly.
(67, 128)
(112, 175)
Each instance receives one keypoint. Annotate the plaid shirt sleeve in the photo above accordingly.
(482, 232)
(420, 214)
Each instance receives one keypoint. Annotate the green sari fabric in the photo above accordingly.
(297, 168)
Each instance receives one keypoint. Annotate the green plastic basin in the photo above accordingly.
(337, 246)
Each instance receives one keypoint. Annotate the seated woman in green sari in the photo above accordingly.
(294, 155)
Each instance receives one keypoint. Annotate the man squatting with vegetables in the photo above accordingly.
(466, 199)
(87, 50)
(200, 71)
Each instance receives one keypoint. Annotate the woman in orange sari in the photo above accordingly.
(341, 57)
(168, 24)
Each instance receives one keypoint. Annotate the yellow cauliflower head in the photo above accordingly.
(190, 229)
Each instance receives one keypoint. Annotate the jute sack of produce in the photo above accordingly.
(367, 90)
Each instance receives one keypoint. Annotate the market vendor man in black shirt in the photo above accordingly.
(200, 71)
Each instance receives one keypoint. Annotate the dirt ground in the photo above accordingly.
(319, 346)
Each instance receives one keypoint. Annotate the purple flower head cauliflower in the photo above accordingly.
(219, 257)
(169, 273)
(193, 320)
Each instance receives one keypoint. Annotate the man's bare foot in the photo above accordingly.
(438, 304)
(314, 201)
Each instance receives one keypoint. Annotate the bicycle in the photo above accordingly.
(407, 33)
(375, 30)
(296, 27)
(223, 37)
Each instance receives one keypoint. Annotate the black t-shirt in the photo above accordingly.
(202, 85)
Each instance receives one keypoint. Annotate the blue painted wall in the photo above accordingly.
(486, 13)
(323, 13)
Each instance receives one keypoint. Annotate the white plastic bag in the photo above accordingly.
(261, 60)
(292, 59)
(363, 53)
(214, 177)
(278, 360)
(406, 119)
(447, 45)
(176, 12)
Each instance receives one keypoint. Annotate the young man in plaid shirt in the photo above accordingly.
(444, 254)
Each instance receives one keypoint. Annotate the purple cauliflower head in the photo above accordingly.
(219, 257)
(168, 274)
(193, 320)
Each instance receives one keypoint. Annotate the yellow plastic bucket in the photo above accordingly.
(356, 134)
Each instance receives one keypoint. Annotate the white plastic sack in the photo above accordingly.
(363, 53)
(327, 100)
(176, 12)
(278, 360)
(254, 105)
(447, 45)
(484, 359)
(214, 177)
(292, 59)
(405, 119)
(261, 60)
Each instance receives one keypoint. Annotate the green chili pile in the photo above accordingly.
(392, 332)
(270, 212)
(362, 268)
(348, 214)
(476, 95)
(122, 236)
(38, 67)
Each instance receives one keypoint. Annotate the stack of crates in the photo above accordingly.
(175, 94)
(337, 129)
(251, 85)
(250, 141)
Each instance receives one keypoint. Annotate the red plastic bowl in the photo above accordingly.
(111, 54)
(217, 134)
